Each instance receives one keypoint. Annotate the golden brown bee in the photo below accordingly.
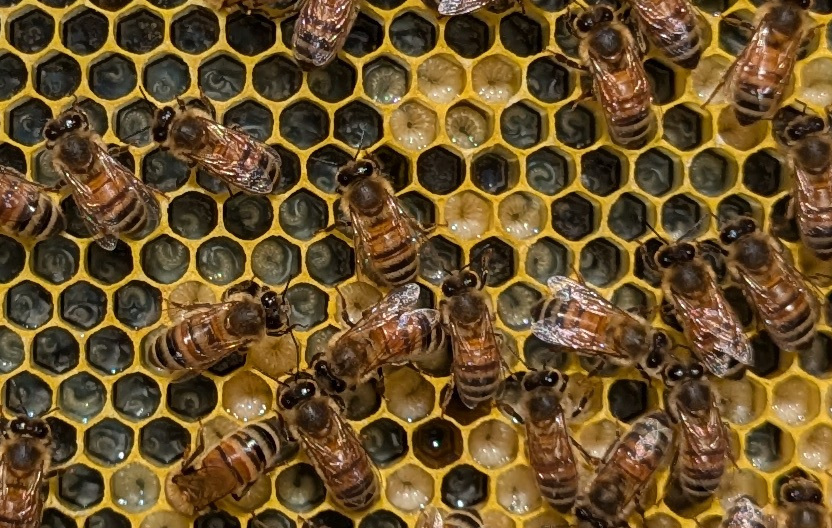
(208, 333)
(112, 201)
(192, 134)
(25, 208)
(386, 238)
(392, 332)
(744, 513)
(703, 441)
(577, 317)
(430, 517)
(708, 321)
(315, 420)
(801, 504)
(321, 30)
(25, 464)
(608, 52)
(757, 79)
(229, 468)
(672, 26)
(785, 304)
(625, 473)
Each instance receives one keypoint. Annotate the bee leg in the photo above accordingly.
(509, 410)
(734, 20)
(569, 63)
(593, 460)
(446, 400)
(239, 496)
(200, 448)
(54, 472)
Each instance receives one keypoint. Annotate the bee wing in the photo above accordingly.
(321, 29)
(608, 80)
(206, 484)
(361, 226)
(430, 518)
(26, 491)
(462, 337)
(702, 431)
(460, 7)
(392, 306)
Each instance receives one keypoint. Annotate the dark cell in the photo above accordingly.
(732, 207)
(680, 215)
(575, 126)
(739, 305)
(289, 170)
(495, 172)
(766, 356)
(26, 121)
(163, 441)
(299, 488)
(58, 77)
(385, 441)
(521, 35)
(137, 304)
(521, 126)
(548, 81)
(107, 518)
(28, 305)
(287, 29)
(547, 171)
(277, 78)
(220, 260)
(83, 305)
(192, 215)
(501, 261)
(322, 167)
(163, 171)
(56, 259)
(546, 258)
(628, 217)
(192, 399)
(550, 5)
(783, 225)
(167, 78)
(133, 123)
(365, 37)
(56, 351)
(136, 396)
(733, 38)
(64, 440)
(382, 519)
(109, 267)
(817, 361)
(113, 77)
(85, 32)
(27, 394)
(565, 37)
(632, 299)
(418, 207)
(247, 216)
(764, 447)
(32, 31)
(304, 124)
(440, 171)
(80, 487)
(438, 255)
(303, 214)
(99, 118)
(467, 35)
(662, 81)
(358, 125)
(332, 519)
(761, 173)
(437, 443)
(13, 76)
(363, 402)
(464, 486)
(109, 441)
(270, 519)
(53, 518)
(109, 350)
(222, 78)
(386, 4)
(196, 31)
(11, 156)
(165, 259)
(396, 167)
(683, 127)
(540, 355)
(712, 173)
(412, 34)
(140, 32)
(308, 305)
(655, 172)
(11, 350)
(217, 519)
(627, 399)
(330, 260)
(253, 118)
(81, 396)
(601, 171)
(713, 6)
(600, 262)
(250, 34)
(573, 216)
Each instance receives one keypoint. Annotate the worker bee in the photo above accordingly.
(801, 504)
(112, 201)
(703, 440)
(672, 26)
(787, 307)
(321, 29)
(230, 467)
(386, 238)
(25, 464)
(608, 52)
(315, 420)
(208, 333)
(757, 79)
(192, 134)
(392, 332)
(578, 318)
(431, 517)
(25, 208)
(708, 321)
(744, 513)
(625, 473)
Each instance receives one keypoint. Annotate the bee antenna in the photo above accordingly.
(325, 162)
(694, 228)
(360, 143)
(653, 230)
(804, 105)
(136, 133)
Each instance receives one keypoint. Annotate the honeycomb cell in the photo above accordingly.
(269, 519)
(546, 258)
(768, 447)
(575, 126)
(517, 490)
(322, 167)
(246, 216)
(107, 518)
(27, 394)
(13, 157)
(250, 34)
(14, 75)
(467, 36)
(330, 260)
(302, 215)
(736, 135)
(412, 35)
(109, 267)
(495, 79)
(680, 215)
(304, 124)
(163, 171)
(167, 78)
(814, 86)
(733, 38)
(26, 121)
(220, 260)
(216, 519)
(366, 36)
(192, 399)
(683, 127)
(515, 304)
(308, 305)
(655, 172)
(246, 396)
(332, 83)
(493, 444)
(275, 260)
(439, 255)
(64, 440)
(163, 441)
(413, 125)
(134, 488)
(628, 217)
(464, 486)
(32, 31)
(495, 171)
(83, 305)
(627, 399)
(192, 215)
(140, 32)
(522, 215)
(109, 442)
(358, 125)
(385, 81)
(547, 81)
(11, 350)
(409, 488)
(522, 126)
(385, 441)
(795, 401)
(133, 123)
(299, 488)
(165, 259)
(395, 166)
(251, 117)
(662, 81)
(80, 487)
(734, 206)
(222, 78)
(437, 443)
(136, 396)
(382, 519)
(408, 395)
(762, 173)
(441, 78)
(600, 262)
(195, 32)
(419, 208)
(277, 78)
(137, 304)
(58, 77)
(113, 77)
(601, 171)
(56, 351)
(573, 216)
(55, 259)
(28, 305)
(53, 518)
(814, 447)
(712, 172)
(501, 260)
(440, 171)
(109, 350)
(81, 397)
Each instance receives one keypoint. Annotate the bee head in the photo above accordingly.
(676, 372)
(296, 391)
(799, 489)
(803, 4)
(544, 378)
(589, 20)
(802, 127)
(31, 427)
(161, 123)
(461, 282)
(276, 314)
(68, 121)
(676, 254)
(356, 170)
(324, 374)
(736, 230)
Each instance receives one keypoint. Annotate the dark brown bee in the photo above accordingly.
(672, 26)
(25, 208)
(430, 517)
(112, 201)
(192, 134)
(321, 30)
(25, 464)
(229, 468)
(578, 318)
(801, 504)
(386, 238)
(744, 513)
(392, 332)
(625, 473)
(786, 305)
(708, 321)
(330, 443)
(211, 332)
(461, 7)
(757, 79)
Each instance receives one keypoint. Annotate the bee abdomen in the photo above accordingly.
(477, 383)
(558, 491)
(753, 100)
(255, 449)
(398, 265)
(46, 220)
(633, 131)
(463, 519)
(356, 487)
(819, 239)
(796, 331)
(699, 477)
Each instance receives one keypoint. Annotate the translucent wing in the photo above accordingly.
(702, 431)
(18, 197)
(206, 484)
(399, 351)
(623, 81)
(390, 307)
(429, 518)
(460, 7)
(321, 30)
(471, 342)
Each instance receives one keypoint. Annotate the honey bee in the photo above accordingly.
(708, 321)
(112, 201)
(25, 464)
(193, 135)
(392, 332)
(672, 26)
(608, 52)
(744, 513)
(229, 468)
(386, 238)
(208, 333)
(801, 504)
(757, 79)
(625, 473)
(787, 307)
(25, 208)
(321, 30)
(431, 517)
(330, 443)
(578, 318)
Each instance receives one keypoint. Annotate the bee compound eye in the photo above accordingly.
(665, 259)
(687, 252)
(287, 401)
(448, 290)
(696, 371)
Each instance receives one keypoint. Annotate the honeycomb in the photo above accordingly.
(506, 159)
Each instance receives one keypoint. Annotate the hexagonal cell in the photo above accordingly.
(418, 207)
(167, 78)
(601, 171)
(302, 215)
(64, 440)
(601, 262)
(136, 396)
(83, 305)
(516, 304)
(493, 444)
(495, 171)
(662, 81)
(548, 81)
(683, 127)
(250, 34)
(365, 37)
(627, 399)
(81, 396)
(575, 126)
(464, 486)
(13, 157)
(11, 350)
(546, 258)
(385, 441)
(385, 81)
(736, 205)
(137, 304)
(358, 125)
(496, 79)
(58, 77)
(796, 401)
(192, 399)
(140, 32)
(275, 260)
(220, 260)
(655, 172)
(409, 487)
(522, 35)
(222, 78)
(246, 216)
(109, 350)
(628, 217)
(28, 305)
(163, 441)
(501, 261)
(299, 488)
(32, 31)
(768, 447)
(107, 517)
(56, 351)
(412, 35)
(53, 518)
(522, 126)
(712, 172)
(56, 259)
(86, 32)
(467, 36)
(437, 443)
(27, 394)
(192, 215)
(382, 519)
(334, 82)
(80, 487)
(522, 215)
(308, 304)
(26, 121)
(196, 31)
(163, 171)
(440, 171)
(109, 267)
(732, 37)
(165, 259)
(113, 77)
(330, 260)
(817, 360)
(547, 171)
(395, 165)
(762, 173)
(277, 78)
(441, 78)
(304, 124)
(679, 215)
(15, 75)
(438, 255)
(133, 123)
(414, 125)
(573, 216)
(109, 441)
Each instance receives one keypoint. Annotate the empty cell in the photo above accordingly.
(573, 216)
(762, 173)
(385, 81)
(81, 397)
(58, 77)
(277, 78)
(270, 518)
(140, 32)
(712, 172)
(109, 350)
(495, 171)
(395, 165)
(419, 208)
(365, 37)
(28, 305)
(627, 399)
(628, 217)
(64, 440)
(575, 126)
(196, 31)
(467, 36)
(733, 38)
(11, 156)
(14, 74)
(662, 81)
(437, 443)
(382, 519)
(440, 171)
(464, 486)
(222, 78)
(522, 35)
(412, 35)
(220, 260)
(86, 32)
(250, 33)
(14, 258)
(113, 77)
(55, 350)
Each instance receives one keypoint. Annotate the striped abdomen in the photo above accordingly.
(813, 200)
(27, 211)
(700, 468)
(391, 249)
(355, 486)
(788, 310)
(477, 364)
(627, 104)
(551, 459)
(463, 519)
(672, 27)
(413, 334)
(118, 206)
(321, 30)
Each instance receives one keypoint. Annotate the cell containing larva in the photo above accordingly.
(408, 395)
(740, 401)
(409, 488)
(466, 127)
(739, 483)
(354, 298)
(517, 491)
(522, 215)
(816, 82)
(135, 488)
(796, 401)
(493, 444)
(468, 215)
(246, 396)
(413, 125)
(495, 79)
(441, 79)
(815, 448)
(706, 77)
(385, 83)
(596, 438)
